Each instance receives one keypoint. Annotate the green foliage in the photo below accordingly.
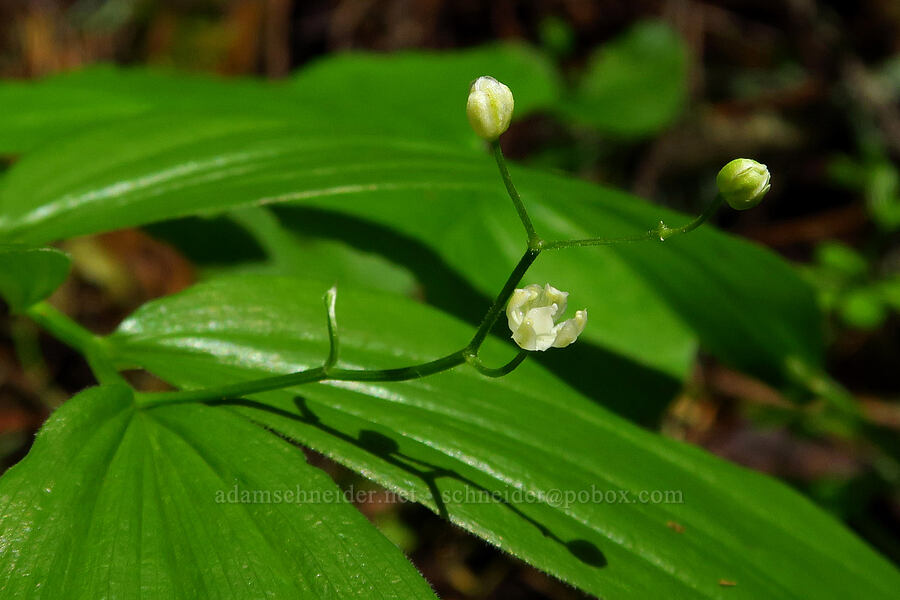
(447, 197)
(121, 503)
(634, 85)
(28, 275)
(405, 93)
(419, 94)
(457, 439)
(329, 261)
(117, 497)
(848, 287)
(878, 180)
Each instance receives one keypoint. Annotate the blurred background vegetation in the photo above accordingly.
(657, 96)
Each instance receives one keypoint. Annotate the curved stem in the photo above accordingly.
(327, 372)
(709, 211)
(402, 374)
(533, 238)
(499, 371)
(268, 384)
(333, 348)
(63, 328)
(243, 388)
(500, 302)
(92, 347)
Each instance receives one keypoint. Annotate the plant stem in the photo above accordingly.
(533, 238)
(500, 302)
(278, 382)
(62, 327)
(402, 374)
(709, 211)
(327, 372)
(233, 390)
(558, 244)
(499, 371)
(333, 348)
(661, 233)
(92, 347)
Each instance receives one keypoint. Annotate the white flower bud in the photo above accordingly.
(489, 108)
(743, 183)
(533, 314)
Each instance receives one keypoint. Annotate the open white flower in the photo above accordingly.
(533, 313)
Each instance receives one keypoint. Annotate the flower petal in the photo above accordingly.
(519, 303)
(537, 331)
(568, 331)
(551, 295)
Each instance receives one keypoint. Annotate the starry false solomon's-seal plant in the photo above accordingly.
(534, 312)
(128, 494)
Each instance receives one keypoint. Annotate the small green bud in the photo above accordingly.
(489, 108)
(743, 182)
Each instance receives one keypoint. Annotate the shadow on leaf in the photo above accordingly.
(388, 450)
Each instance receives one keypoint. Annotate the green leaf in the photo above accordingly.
(28, 275)
(408, 92)
(113, 502)
(743, 303)
(501, 457)
(32, 113)
(424, 93)
(330, 261)
(863, 308)
(634, 85)
(842, 259)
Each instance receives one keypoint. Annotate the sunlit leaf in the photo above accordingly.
(524, 461)
(181, 502)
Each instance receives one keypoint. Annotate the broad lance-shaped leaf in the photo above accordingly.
(182, 502)
(742, 302)
(519, 461)
(425, 91)
(28, 275)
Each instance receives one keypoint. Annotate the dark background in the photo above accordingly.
(810, 88)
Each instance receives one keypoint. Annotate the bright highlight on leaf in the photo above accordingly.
(534, 313)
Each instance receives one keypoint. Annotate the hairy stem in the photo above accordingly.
(533, 238)
(660, 233)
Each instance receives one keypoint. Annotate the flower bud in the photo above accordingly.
(533, 314)
(489, 108)
(743, 183)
